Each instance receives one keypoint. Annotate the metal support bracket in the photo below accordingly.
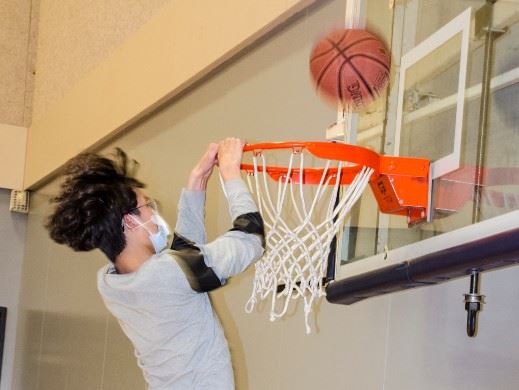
(403, 188)
(474, 302)
(483, 22)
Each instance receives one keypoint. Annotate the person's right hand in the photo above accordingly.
(202, 171)
(230, 152)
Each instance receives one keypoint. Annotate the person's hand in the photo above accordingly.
(230, 152)
(202, 171)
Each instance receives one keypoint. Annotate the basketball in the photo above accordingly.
(350, 66)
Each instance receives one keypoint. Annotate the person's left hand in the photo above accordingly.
(202, 171)
(230, 152)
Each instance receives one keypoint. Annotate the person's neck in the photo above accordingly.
(131, 258)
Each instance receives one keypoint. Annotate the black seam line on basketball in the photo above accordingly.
(331, 49)
(346, 48)
(327, 66)
(359, 41)
(324, 69)
(386, 68)
(339, 82)
(334, 46)
(373, 94)
(357, 72)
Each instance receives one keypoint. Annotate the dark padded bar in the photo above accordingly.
(250, 223)
(200, 277)
(489, 253)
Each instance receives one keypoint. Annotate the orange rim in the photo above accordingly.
(357, 155)
(400, 184)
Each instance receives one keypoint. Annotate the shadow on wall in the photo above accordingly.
(65, 351)
(3, 319)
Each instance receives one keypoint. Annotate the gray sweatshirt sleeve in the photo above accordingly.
(230, 253)
(234, 251)
(191, 215)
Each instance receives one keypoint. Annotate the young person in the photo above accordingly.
(159, 295)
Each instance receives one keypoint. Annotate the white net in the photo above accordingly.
(300, 226)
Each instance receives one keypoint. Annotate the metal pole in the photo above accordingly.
(483, 110)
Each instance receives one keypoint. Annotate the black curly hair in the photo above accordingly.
(95, 195)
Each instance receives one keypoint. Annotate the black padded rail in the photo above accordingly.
(496, 251)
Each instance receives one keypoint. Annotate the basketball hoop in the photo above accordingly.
(319, 200)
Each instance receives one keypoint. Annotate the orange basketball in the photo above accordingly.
(351, 67)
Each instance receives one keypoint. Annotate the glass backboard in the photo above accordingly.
(453, 100)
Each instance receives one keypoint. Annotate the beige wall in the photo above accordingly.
(18, 21)
(15, 91)
(75, 36)
(66, 339)
(93, 53)
(13, 141)
(18, 28)
(12, 238)
(183, 43)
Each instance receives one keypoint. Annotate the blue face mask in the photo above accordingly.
(159, 240)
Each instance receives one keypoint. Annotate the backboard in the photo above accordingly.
(455, 84)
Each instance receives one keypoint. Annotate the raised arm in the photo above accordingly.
(208, 266)
(234, 251)
(191, 206)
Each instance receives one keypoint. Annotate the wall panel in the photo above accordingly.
(185, 41)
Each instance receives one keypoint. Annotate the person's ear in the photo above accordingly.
(130, 222)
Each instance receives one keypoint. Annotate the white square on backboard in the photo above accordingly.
(459, 25)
